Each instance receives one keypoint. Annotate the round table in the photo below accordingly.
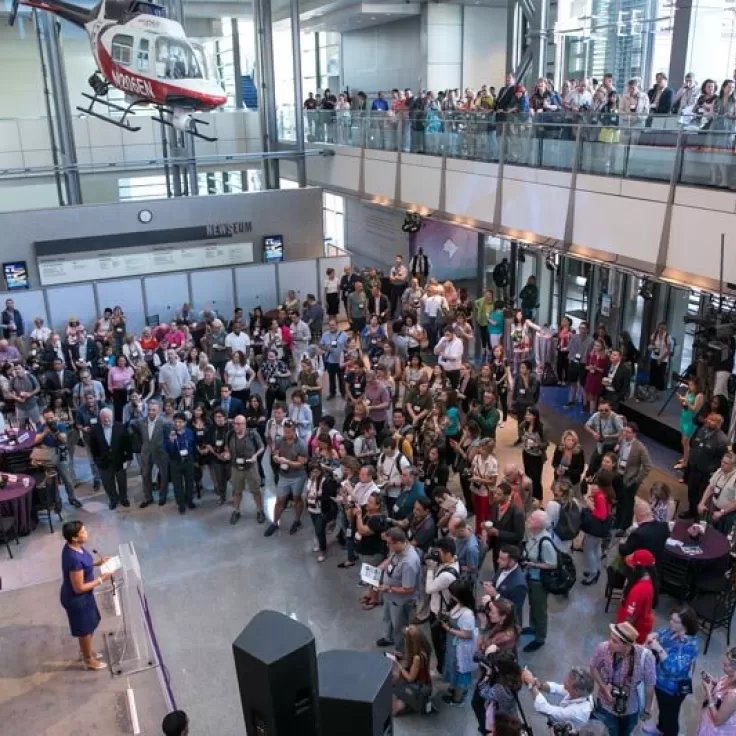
(11, 445)
(16, 500)
(714, 544)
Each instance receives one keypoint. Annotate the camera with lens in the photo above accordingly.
(442, 618)
(483, 659)
(562, 729)
(620, 699)
(52, 425)
(432, 555)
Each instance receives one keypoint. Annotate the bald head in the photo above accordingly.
(536, 523)
(642, 511)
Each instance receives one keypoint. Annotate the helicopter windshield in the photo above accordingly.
(179, 59)
(144, 8)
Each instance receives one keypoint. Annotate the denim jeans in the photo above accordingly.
(592, 551)
(617, 725)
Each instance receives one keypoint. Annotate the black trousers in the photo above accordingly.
(658, 374)
(439, 639)
(479, 707)
(335, 378)
(395, 297)
(563, 361)
(697, 482)
(467, 493)
(533, 465)
(272, 396)
(485, 343)
(503, 400)
(115, 483)
(453, 377)
(182, 476)
(625, 506)
(357, 324)
(668, 721)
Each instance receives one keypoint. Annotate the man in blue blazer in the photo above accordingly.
(231, 405)
(509, 581)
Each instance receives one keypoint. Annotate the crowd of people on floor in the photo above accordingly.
(242, 398)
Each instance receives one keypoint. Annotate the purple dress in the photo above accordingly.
(81, 608)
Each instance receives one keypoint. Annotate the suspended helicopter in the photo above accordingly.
(141, 52)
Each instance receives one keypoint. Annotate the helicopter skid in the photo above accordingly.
(122, 123)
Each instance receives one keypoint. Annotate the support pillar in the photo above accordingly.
(696, 24)
(62, 121)
(238, 73)
(296, 54)
(267, 89)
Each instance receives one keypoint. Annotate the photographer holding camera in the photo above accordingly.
(619, 666)
(443, 570)
(576, 705)
(51, 451)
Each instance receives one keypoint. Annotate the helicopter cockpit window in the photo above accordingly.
(143, 45)
(122, 49)
(148, 9)
(175, 59)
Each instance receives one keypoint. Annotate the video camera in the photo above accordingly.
(432, 555)
(561, 729)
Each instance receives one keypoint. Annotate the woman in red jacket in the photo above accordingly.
(640, 593)
(596, 523)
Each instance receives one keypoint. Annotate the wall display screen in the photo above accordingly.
(78, 267)
(273, 248)
(16, 275)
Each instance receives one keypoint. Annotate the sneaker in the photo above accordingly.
(295, 527)
(315, 548)
(321, 557)
(260, 517)
(235, 517)
(272, 529)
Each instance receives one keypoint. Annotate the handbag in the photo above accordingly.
(313, 399)
(595, 527)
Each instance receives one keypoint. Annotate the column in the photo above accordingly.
(63, 135)
(442, 46)
(697, 23)
(296, 55)
(267, 89)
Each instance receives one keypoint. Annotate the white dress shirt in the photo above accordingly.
(450, 353)
(576, 712)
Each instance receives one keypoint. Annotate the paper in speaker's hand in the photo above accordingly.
(112, 565)
(370, 575)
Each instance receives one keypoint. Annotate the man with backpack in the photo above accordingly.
(540, 554)
(443, 570)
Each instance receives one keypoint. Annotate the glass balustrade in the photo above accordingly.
(698, 150)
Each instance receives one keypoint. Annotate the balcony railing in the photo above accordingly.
(689, 149)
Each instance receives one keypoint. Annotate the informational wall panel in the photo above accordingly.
(256, 286)
(29, 303)
(125, 293)
(165, 295)
(298, 276)
(214, 290)
(72, 301)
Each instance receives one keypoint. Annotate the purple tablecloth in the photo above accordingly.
(6, 448)
(714, 544)
(16, 500)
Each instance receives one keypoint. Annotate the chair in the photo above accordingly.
(615, 583)
(8, 531)
(46, 498)
(674, 577)
(715, 611)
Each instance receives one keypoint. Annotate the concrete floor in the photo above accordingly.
(204, 581)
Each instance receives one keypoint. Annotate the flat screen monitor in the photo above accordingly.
(16, 275)
(273, 248)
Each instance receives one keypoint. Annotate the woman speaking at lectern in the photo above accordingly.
(77, 588)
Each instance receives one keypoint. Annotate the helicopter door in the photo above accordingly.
(143, 51)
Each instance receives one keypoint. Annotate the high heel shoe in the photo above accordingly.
(591, 580)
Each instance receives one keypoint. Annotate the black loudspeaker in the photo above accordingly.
(354, 694)
(276, 664)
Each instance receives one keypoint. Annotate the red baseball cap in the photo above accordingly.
(641, 558)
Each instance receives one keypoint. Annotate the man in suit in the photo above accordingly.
(150, 433)
(509, 582)
(617, 381)
(59, 382)
(378, 304)
(110, 446)
(649, 534)
(182, 450)
(231, 405)
(661, 96)
(634, 465)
